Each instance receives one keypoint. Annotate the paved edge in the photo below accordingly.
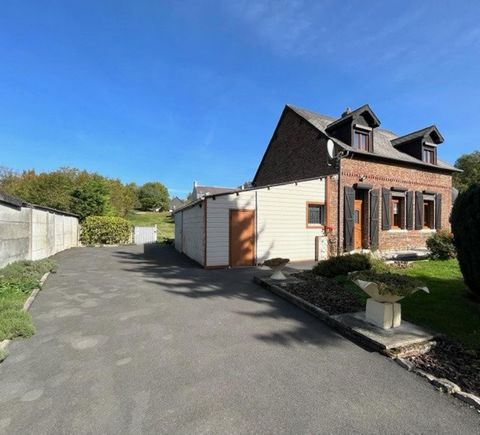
(26, 306)
(441, 384)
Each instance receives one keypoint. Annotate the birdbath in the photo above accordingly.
(385, 291)
(277, 265)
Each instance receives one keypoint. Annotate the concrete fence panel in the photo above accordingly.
(33, 233)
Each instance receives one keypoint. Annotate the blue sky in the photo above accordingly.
(192, 90)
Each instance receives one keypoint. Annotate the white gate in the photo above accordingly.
(143, 235)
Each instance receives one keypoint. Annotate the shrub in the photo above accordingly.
(465, 221)
(391, 283)
(108, 230)
(441, 246)
(342, 265)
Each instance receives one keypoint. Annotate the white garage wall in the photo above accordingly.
(280, 226)
(218, 216)
(193, 233)
(178, 231)
(281, 220)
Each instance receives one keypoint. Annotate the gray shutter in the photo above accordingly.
(409, 203)
(438, 211)
(386, 197)
(418, 210)
(374, 218)
(349, 209)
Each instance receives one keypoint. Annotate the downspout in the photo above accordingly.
(338, 205)
(256, 228)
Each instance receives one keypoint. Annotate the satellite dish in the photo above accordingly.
(330, 148)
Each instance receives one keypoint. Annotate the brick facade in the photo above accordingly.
(297, 151)
(386, 175)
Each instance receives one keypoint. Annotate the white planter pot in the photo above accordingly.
(383, 310)
(277, 272)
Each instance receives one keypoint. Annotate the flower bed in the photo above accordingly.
(451, 361)
(325, 293)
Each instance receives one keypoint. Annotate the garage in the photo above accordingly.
(247, 226)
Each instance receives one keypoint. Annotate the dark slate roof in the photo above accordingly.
(360, 110)
(382, 141)
(10, 199)
(212, 190)
(416, 134)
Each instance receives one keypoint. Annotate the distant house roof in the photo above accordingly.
(212, 190)
(10, 199)
(175, 203)
(382, 140)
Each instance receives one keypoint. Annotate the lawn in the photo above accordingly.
(163, 220)
(449, 308)
(17, 281)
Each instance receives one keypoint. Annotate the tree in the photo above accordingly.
(470, 165)
(90, 198)
(465, 221)
(153, 195)
(123, 198)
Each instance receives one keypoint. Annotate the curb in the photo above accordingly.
(26, 306)
(441, 384)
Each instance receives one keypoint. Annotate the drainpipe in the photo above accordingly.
(338, 205)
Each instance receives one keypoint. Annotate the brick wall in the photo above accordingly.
(381, 174)
(297, 151)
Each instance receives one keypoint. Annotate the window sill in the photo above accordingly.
(397, 230)
(428, 230)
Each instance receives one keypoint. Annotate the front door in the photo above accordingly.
(242, 238)
(357, 224)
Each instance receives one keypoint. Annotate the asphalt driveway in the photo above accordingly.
(128, 344)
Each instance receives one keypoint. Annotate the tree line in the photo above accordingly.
(83, 193)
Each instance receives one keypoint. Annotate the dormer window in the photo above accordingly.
(361, 140)
(429, 154)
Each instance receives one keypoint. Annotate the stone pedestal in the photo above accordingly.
(383, 314)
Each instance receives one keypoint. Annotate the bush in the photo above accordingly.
(108, 230)
(391, 283)
(441, 246)
(465, 221)
(342, 265)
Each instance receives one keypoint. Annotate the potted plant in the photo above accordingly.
(277, 265)
(385, 291)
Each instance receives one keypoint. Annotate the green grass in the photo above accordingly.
(17, 281)
(448, 309)
(163, 220)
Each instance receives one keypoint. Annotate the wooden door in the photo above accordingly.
(242, 238)
(357, 224)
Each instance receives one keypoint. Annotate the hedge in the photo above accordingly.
(465, 221)
(105, 230)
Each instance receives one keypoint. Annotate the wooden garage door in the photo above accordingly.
(242, 238)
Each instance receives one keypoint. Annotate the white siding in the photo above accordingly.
(193, 234)
(281, 220)
(218, 216)
(178, 231)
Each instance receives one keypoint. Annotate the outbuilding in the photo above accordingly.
(247, 226)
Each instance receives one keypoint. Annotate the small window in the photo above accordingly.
(397, 212)
(361, 140)
(428, 214)
(429, 155)
(315, 214)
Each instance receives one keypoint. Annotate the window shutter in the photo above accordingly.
(386, 197)
(349, 208)
(438, 211)
(374, 218)
(409, 204)
(418, 210)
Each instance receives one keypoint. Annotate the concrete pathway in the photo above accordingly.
(127, 344)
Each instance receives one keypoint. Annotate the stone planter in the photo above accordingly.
(382, 309)
(277, 265)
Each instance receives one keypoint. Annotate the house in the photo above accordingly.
(175, 203)
(199, 192)
(377, 191)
